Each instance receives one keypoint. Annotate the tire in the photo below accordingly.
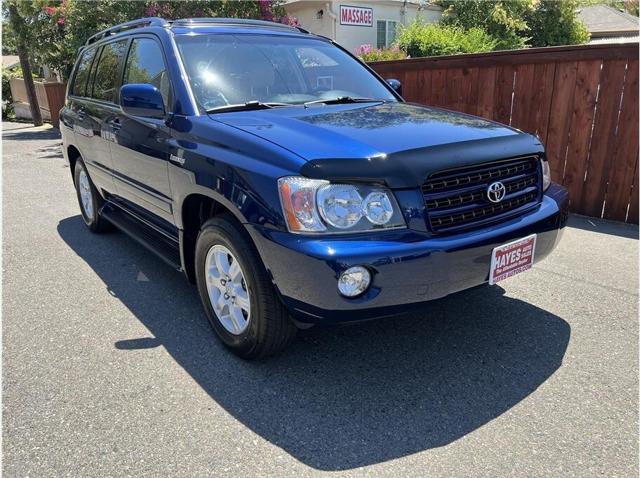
(267, 328)
(89, 199)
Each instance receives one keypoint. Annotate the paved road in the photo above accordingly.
(111, 369)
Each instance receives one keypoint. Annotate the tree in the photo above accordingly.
(8, 44)
(629, 6)
(19, 30)
(556, 23)
(632, 7)
(57, 28)
(502, 19)
(523, 23)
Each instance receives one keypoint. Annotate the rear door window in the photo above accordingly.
(82, 73)
(106, 80)
(145, 64)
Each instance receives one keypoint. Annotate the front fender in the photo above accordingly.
(236, 169)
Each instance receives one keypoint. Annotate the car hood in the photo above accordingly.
(395, 143)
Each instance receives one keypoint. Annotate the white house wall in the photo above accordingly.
(351, 36)
(307, 12)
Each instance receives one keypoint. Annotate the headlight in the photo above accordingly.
(298, 198)
(546, 175)
(377, 207)
(340, 205)
(313, 205)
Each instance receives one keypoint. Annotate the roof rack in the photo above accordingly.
(141, 22)
(185, 22)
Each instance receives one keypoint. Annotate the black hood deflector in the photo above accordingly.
(409, 169)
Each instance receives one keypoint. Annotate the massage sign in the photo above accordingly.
(356, 16)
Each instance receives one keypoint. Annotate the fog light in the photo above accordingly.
(354, 281)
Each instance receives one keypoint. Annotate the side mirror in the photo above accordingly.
(142, 99)
(396, 85)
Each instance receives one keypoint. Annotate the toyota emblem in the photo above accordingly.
(496, 192)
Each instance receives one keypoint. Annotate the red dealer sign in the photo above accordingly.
(512, 258)
(358, 16)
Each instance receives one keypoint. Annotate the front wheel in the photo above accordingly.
(237, 295)
(89, 199)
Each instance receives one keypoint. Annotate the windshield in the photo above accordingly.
(235, 69)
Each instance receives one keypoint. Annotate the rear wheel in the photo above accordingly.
(237, 295)
(89, 199)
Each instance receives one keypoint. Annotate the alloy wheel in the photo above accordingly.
(86, 196)
(227, 288)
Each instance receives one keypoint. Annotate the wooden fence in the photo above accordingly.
(50, 96)
(582, 101)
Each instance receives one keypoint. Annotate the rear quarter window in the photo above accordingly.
(82, 73)
(106, 81)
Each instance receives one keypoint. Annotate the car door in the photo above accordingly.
(102, 105)
(140, 149)
(86, 123)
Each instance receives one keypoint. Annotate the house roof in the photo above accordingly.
(9, 61)
(609, 40)
(603, 20)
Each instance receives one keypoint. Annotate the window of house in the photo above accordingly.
(145, 64)
(82, 72)
(386, 33)
(105, 82)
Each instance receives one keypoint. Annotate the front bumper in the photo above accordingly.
(409, 267)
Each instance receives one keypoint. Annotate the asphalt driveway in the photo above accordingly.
(110, 368)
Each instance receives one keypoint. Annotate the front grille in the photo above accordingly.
(457, 199)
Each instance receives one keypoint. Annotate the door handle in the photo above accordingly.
(114, 124)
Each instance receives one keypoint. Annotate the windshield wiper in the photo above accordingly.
(248, 106)
(341, 100)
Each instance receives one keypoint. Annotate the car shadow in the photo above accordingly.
(17, 134)
(350, 396)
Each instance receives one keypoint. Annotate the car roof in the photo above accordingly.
(233, 22)
(199, 25)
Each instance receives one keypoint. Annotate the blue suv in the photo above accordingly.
(290, 182)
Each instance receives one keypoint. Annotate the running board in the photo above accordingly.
(165, 248)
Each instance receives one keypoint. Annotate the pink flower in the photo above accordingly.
(265, 10)
(289, 20)
(152, 10)
(363, 49)
(156, 9)
(50, 11)
(61, 21)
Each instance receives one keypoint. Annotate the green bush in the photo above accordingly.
(524, 23)
(502, 19)
(367, 53)
(556, 23)
(419, 39)
(7, 98)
